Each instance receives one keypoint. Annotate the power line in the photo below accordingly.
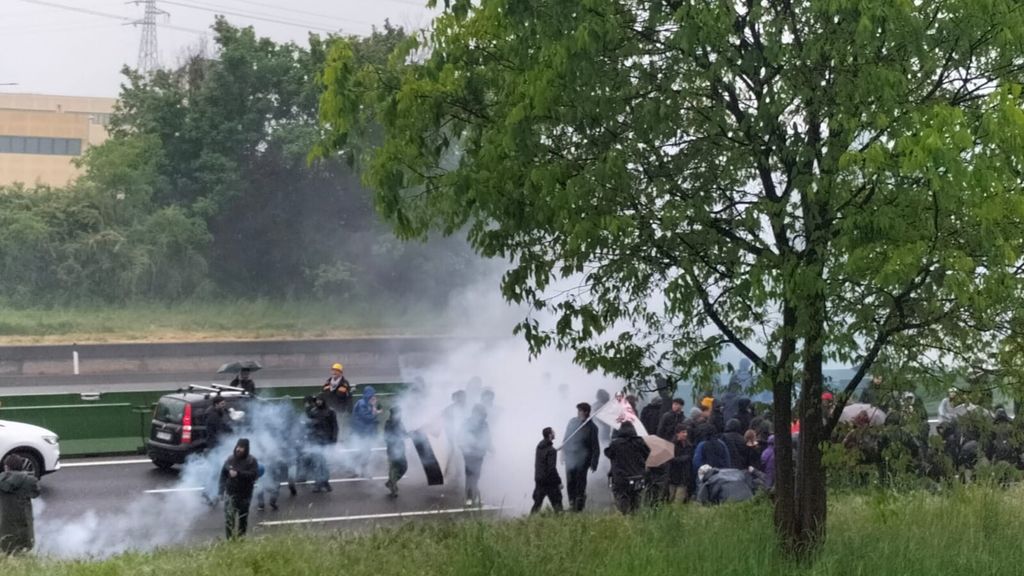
(99, 14)
(297, 11)
(217, 10)
(76, 9)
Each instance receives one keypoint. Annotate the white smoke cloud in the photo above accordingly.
(529, 394)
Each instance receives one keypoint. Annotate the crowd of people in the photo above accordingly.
(304, 442)
(723, 450)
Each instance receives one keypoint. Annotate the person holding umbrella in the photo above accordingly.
(244, 381)
(242, 371)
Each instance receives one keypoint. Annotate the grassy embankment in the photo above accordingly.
(974, 531)
(239, 320)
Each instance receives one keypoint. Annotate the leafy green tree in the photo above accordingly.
(804, 181)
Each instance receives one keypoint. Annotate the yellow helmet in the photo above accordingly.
(338, 367)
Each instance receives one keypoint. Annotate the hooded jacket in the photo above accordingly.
(17, 533)
(241, 486)
(545, 468)
(364, 417)
(734, 441)
(628, 454)
(323, 425)
(650, 416)
(720, 486)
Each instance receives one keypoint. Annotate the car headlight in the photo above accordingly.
(51, 440)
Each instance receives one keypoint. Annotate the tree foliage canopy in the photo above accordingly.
(806, 181)
(205, 188)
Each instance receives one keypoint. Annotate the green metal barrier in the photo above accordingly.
(116, 422)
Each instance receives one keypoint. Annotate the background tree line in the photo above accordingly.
(205, 190)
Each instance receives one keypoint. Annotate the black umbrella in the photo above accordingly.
(235, 367)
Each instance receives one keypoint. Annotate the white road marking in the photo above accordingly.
(378, 516)
(307, 482)
(65, 464)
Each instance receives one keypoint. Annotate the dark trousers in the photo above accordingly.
(474, 464)
(552, 493)
(627, 501)
(396, 469)
(576, 486)
(236, 516)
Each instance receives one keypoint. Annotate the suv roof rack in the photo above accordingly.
(226, 388)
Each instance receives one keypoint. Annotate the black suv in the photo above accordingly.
(179, 422)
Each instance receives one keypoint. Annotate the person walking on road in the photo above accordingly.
(475, 442)
(364, 429)
(394, 438)
(218, 427)
(323, 432)
(547, 482)
(17, 489)
(628, 454)
(582, 452)
(237, 480)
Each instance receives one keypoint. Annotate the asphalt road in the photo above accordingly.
(101, 506)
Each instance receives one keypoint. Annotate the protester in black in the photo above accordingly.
(237, 479)
(394, 439)
(628, 454)
(547, 482)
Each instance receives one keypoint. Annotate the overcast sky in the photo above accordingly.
(77, 47)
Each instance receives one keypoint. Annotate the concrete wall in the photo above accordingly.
(204, 358)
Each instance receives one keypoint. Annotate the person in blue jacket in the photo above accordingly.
(364, 428)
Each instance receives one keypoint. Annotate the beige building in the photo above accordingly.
(41, 135)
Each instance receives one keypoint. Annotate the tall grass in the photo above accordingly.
(973, 531)
(243, 319)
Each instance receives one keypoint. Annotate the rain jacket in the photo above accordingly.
(628, 454)
(17, 533)
(768, 462)
(712, 452)
(241, 486)
(720, 486)
(364, 418)
(737, 446)
(323, 425)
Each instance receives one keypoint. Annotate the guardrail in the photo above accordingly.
(114, 423)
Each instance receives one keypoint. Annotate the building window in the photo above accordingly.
(100, 118)
(36, 145)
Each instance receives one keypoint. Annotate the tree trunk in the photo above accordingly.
(800, 505)
(786, 525)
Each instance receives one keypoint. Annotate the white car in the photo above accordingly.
(40, 446)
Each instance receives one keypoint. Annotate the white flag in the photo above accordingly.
(614, 413)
